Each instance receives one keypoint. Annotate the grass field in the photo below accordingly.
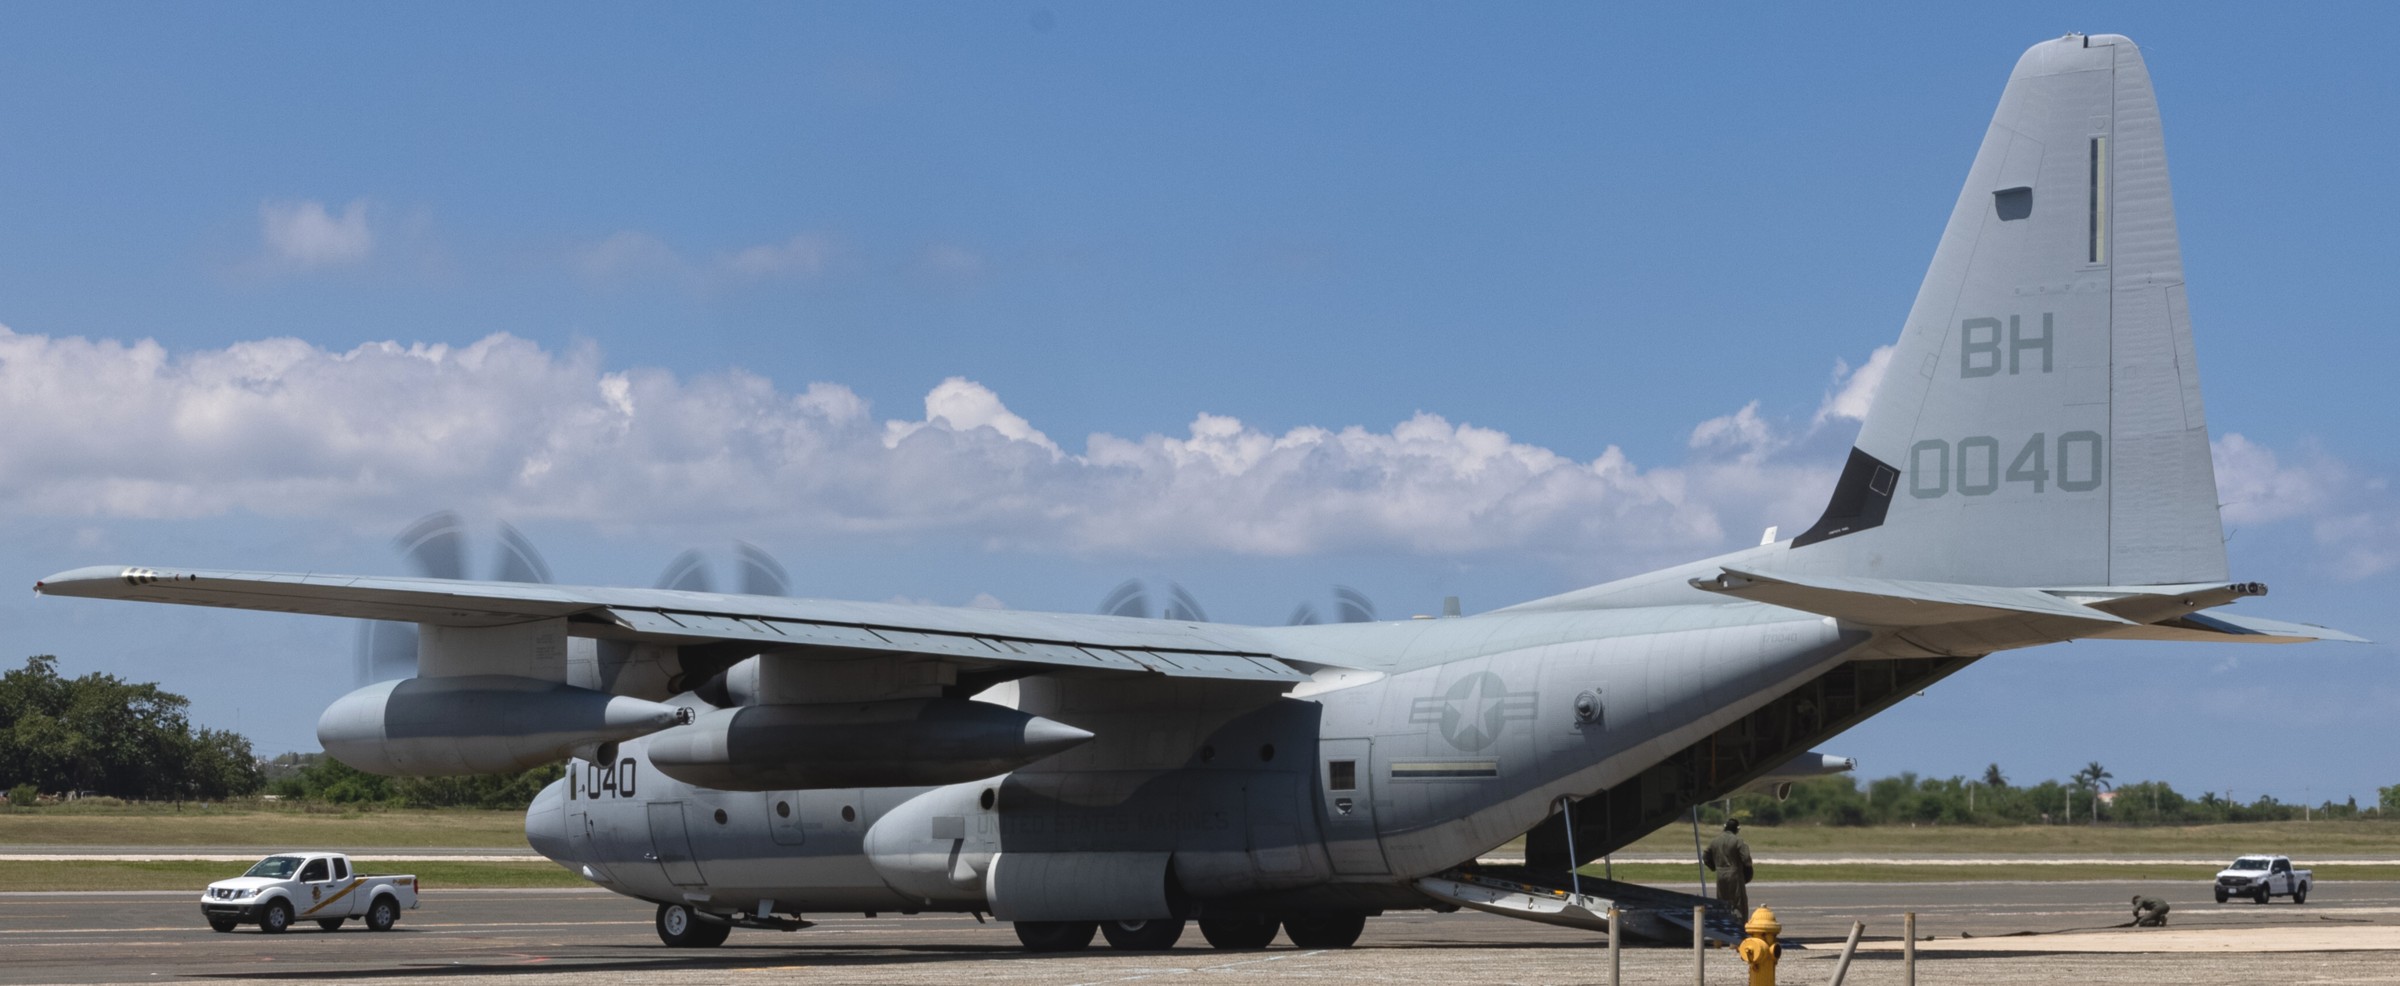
(19, 875)
(2296, 839)
(269, 828)
(260, 825)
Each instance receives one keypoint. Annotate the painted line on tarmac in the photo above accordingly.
(1916, 861)
(205, 857)
(195, 894)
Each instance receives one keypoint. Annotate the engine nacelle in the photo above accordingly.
(905, 742)
(478, 724)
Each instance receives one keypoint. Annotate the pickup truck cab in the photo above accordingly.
(306, 886)
(2262, 877)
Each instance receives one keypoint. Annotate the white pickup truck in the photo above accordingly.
(2262, 877)
(306, 886)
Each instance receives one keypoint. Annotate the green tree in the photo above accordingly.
(1994, 779)
(102, 733)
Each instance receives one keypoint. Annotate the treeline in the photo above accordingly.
(1911, 800)
(104, 735)
(315, 777)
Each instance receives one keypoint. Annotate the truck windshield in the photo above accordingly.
(275, 867)
(2244, 863)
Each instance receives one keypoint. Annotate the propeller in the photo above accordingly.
(1132, 598)
(755, 572)
(1349, 606)
(435, 547)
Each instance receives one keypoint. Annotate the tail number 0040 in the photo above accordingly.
(1973, 466)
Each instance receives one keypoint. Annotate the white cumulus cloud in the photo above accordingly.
(304, 234)
(503, 427)
(1854, 388)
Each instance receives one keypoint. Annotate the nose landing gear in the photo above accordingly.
(681, 927)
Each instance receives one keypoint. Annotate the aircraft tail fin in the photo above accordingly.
(2040, 421)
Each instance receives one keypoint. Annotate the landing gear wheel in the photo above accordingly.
(679, 927)
(1154, 935)
(1056, 936)
(2300, 894)
(223, 925)
(2222, 896)
(276, 918)
(1242, 933)
(331, 924)
(1325, 930)
(381, 916)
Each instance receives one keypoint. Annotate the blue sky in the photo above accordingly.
(253, 261)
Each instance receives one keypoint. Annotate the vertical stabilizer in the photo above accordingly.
(2040, 423)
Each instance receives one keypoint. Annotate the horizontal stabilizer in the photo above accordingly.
(2228, 628)
(1894, 603)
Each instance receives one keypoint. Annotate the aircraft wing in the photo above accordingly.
(1054, 640)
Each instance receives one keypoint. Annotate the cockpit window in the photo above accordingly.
(275, 867)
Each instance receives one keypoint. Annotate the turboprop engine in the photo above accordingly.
(478, 724)
(903, 742)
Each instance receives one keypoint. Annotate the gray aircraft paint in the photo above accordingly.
(2033, 469)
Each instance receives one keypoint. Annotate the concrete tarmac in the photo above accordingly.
(567, 936)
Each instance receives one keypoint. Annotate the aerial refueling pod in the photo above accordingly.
(478, 724)
(897, 743)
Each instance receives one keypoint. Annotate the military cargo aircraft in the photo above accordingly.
(2034, 469)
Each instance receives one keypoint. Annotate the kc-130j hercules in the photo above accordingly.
(2034, 469)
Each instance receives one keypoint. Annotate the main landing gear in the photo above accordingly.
(1230, 933)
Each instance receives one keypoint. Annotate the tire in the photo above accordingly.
(384, 914)
(276, 919)
(1242, 933)
(2300, 894)
(681, 927)
(1325, 930)
(223, 925)
(330, 924)
(1154, 935)
(2222, 896)
(1056, 936)
(2261, 897)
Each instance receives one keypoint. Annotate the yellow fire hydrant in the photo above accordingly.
(1760, 949)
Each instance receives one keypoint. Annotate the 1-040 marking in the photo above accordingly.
(1972, 466)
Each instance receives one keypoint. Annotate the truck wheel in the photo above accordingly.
(382, 916)
(222, 925)
(680, 927)
(2300, 894)
(1153, 935)
(2222, 896)
(1056, 936)
(1242, 933)
(331, 924)
(2261, 896)
(276, 918)
(1325, 930)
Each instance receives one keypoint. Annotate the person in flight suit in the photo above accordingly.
(2149, 912)
(1730, 857)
